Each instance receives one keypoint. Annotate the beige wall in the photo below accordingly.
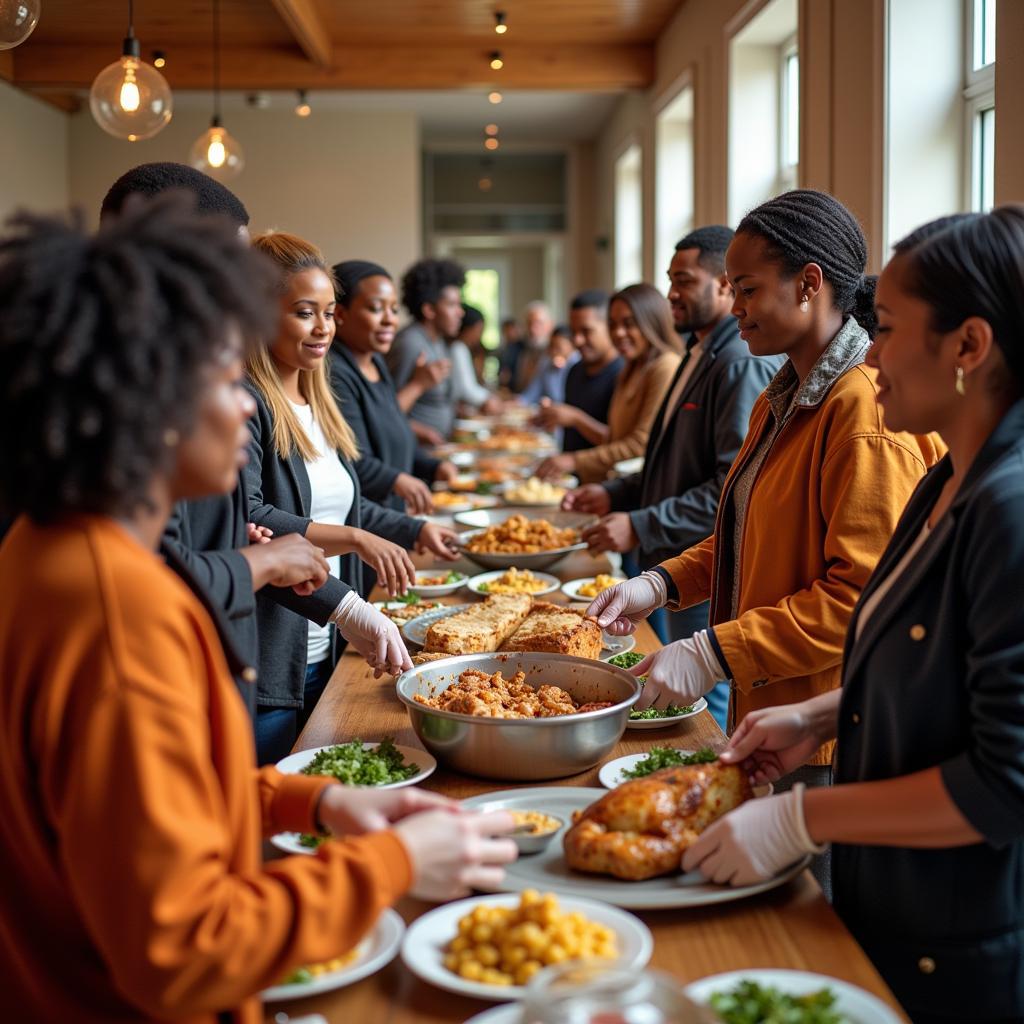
(350, 182)
(1009, 102)
(34, 165)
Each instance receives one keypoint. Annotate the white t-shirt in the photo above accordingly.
(332, 494)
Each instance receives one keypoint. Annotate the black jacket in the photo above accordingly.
(279, 498)
(672, 503)
(937, 679)
(387, 445)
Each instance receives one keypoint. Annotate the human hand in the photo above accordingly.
(258, 534)
(429, 375)
(493, 406)
(288, 561)
(618, 609)
(392, 564)
(753, 842)
(424, 434)
(415, 493)
(554, 414)
(374, 636)
(591, 498)
(554, 467)
(438, 540)
(685, 670)
(772, 742)
(612, 533)
(446, 471)
(452, 853)
(352, 811)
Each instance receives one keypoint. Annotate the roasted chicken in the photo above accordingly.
(641, 829)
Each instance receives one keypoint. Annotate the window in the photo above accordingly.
(673, 202)
(980, 105)
(629, 216)
(483, 290)
(789, 115)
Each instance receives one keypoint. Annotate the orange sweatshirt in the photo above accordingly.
(131, 810)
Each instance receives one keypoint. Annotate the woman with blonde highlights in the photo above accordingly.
(300, 479)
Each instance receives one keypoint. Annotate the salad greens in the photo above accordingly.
(751, 1003)
(351, 764)
(409, 597)
(311, 841)
(303, 976)
(627, 660)
(666, 757)
(670, 711)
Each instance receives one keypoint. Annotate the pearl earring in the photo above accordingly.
(805, 304)
(171, 437)
(960, 388)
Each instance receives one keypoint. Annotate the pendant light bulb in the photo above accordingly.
(494, 97)
(302, 108)
(18, 19)
(496, 62)
(499, 23)
(130, 99)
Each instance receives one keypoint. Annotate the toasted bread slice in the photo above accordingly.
(557, 630)
(484, 627)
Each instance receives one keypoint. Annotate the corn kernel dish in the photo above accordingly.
(519, 535)
(508, 945)
(600, 582)
(515, 581)
(539, 824)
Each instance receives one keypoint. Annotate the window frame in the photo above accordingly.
(788, 173)
(979, 96)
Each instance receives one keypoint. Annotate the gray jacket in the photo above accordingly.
(436, 407)
(279, 498)
(672, 503)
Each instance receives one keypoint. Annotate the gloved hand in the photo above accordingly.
(618, 609)
(373, 635)
(772, 742)
(753, 842)
(684, 670)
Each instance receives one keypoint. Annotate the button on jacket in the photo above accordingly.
(937, 678)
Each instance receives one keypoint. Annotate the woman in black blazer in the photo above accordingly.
(392, 468)
(927, 815)
(299, 479)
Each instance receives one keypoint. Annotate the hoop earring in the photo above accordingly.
(960, 388)
(805, 304)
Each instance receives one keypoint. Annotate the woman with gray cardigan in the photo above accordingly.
(300, 478)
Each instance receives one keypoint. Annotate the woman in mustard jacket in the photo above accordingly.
(814, 494)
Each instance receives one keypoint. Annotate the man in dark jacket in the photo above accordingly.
(671, 504)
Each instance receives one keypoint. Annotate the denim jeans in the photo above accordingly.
(277, 729)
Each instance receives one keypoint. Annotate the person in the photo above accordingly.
(208, 541)
(671, 504)
(431, 292)
(393, 469)
(132, 810)
(814, 494)
(549, 380)
(299, 478)
(583, 416)
(641, 329)
(467, 391)
(471, 334)
(539, 323)
(925, 819)
(509, 351)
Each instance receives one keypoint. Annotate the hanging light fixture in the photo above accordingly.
(491, 129)
(499, 23)
(302, 108)
(129, 99)
(159, 58)
(494, 97)
(496, 62)
(17, 20)
(491, 143)
(216, 152)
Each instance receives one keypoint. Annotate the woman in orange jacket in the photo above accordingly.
(814, 494)
(131, 809)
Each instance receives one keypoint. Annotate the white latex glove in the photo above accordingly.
(753, 842)
(618, 609)
(373, 635)
(682, 671)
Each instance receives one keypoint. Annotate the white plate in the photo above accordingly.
(627, 467)
(376, 951)
(474, 582)
(472, 501)
(439, 589)
(610, 775)
(294, 763)
(288, 842)
(510, 1013)
(415, 630)
(571, 589)
(425, 941)
(854, 1004)
(548, 872)
(663, 723)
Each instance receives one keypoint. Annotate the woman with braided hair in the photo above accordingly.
(814, 494)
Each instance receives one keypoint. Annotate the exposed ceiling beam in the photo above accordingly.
(597, 68)
(304, 22)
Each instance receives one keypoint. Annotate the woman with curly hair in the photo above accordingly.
(300, 478)
(641, 329)
(131, 811)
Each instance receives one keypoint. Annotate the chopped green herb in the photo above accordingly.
(627, 660)
(484, 487)
(666, 757)
(672, 711)
(351, 764)
(751, 1003)
(303, 976)
(410, 597)
(310, 841)
(454, 577)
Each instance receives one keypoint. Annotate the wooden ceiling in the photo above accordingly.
(580, 45)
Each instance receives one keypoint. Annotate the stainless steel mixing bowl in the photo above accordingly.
(522, 749)
(481, 518)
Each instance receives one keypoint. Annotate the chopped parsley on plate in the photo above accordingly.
(666, 757)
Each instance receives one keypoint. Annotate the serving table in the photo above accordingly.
(790, 927)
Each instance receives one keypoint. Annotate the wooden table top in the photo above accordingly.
(791, 927)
